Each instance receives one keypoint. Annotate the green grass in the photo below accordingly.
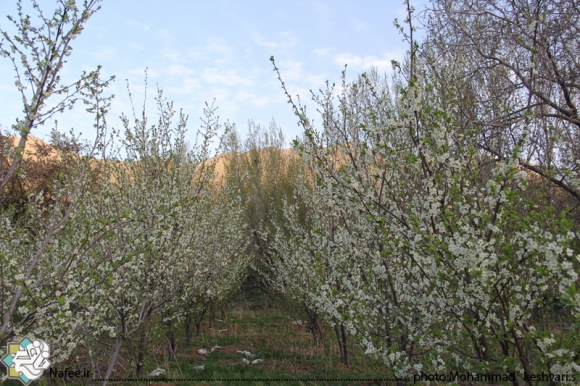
(287, 352)
(261, 325)
(286, 349)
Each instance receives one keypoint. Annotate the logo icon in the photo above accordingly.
(26, 360)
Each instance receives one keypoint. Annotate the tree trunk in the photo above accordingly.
(141, 354)
(223, 312)
(211, 316)
(342, 339)
(172, 343)
(344, 334)
(199, 320)
(188, 328)
(113, 359)
(314, 326)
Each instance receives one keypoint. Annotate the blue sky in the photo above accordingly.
(200, 50)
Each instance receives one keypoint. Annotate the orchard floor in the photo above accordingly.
(283, 349)
(260, 325)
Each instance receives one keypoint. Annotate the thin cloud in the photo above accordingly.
(172, 56)
(324, 14)
(362, 63)
(302, 92)
(322, 51)
(138, 26)
(223, 100)
(105, 53)
(217, 45)
(141, 72)
(209, 49)
(284, 39)
(229, 78)
(359, 25)
(186, 86)
(316, 81)
(259, 41)
(291, 70)
(261, 101)
(178, 70)
(164, 35)
(294, 71)
(245, 97)
(135, 46)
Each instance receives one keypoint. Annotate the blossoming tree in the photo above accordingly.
(436, 259)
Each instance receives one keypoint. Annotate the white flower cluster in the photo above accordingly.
(128, 244)
(431, 260)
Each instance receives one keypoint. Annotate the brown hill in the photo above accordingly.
(35, 148)
(221, 160)
(38, 150)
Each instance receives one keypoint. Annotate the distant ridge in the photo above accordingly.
(33, 143)
(221, 159)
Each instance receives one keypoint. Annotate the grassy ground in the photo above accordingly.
(266, 328)
(286, 350)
